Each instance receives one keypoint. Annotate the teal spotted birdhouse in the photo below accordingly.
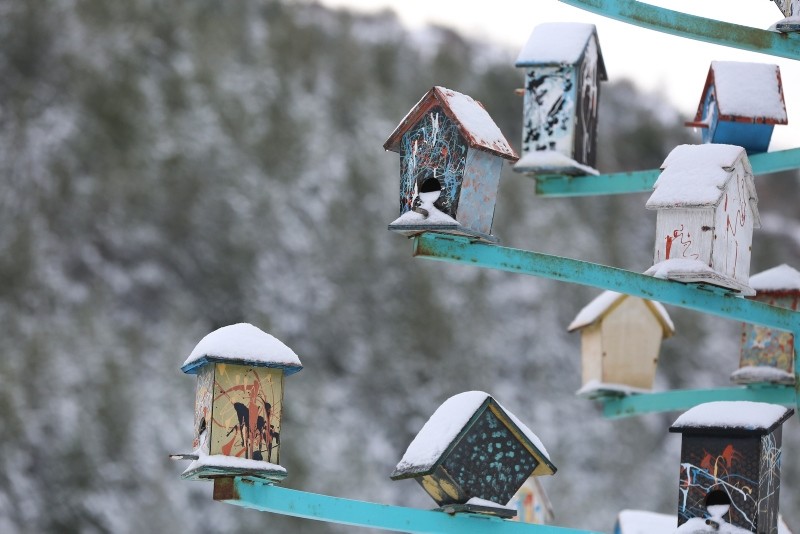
(474, 455)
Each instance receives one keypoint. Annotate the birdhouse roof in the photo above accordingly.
(446, 426)
(473, 121)
(695, 176)
(732, 417)
(777, 279)
(557, 43)
(745, 92)
(242, 344)
(607, 301)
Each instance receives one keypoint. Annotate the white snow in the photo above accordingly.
(223, 461)
(762, 373)
(476, 120)
(555, 42)
(435, 216)
(641, 522)
(664, 269)
(445, 424)
(550, 159)
(749, 90)
(595, 388)
(603, 302)
(732, 414)
(780, 278)
(694, 175)
(794, 19)
(243, 342)
(477, 501)
(697, 525)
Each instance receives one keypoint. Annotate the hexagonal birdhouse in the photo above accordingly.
(620, 341)
(767, 353)
(740, 105)
(451, 155)
(730, 466)
(707, 209)
(473, 455)
(563, 70)
(239, 403)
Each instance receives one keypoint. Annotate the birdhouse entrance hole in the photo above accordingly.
(717, 497)
(430, 185)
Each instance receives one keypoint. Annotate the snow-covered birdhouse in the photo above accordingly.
(740, 105)
(730, 466)
(451, 155)
(238, 406)
(532, 503)
(767, 353)
(473, 455)
(790, 10)
(620, 341)
(563, 70)
(707, 209)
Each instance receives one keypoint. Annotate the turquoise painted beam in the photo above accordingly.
(275, 499)
(642, 181)
(693, 27)
(680, 400)
(456, 249)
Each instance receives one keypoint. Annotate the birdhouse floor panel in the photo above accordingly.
(417, 229)
(544, 163)
(601, 390)
(486, 509)
(693, 271)
(788, 25)
(208, 467)
(762, 374)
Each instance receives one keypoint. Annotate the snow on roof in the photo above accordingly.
(733, 415)
(780, 278)
(445, 425)
(473, 121)
(556, 42)
(749, 90)
(641, 522)
(696, 175)
(243, 343)
(598, 307)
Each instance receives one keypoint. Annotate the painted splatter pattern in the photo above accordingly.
(767, 346)
(434, 146)
(549, 109)
(586, 115)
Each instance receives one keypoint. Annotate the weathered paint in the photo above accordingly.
(247, 408)
(789, 8)
(478, 192)
(693, 27)
(275, 499)
(684, 233)
(734, 221)
(203, 409)
(532, 504)
(762, 346)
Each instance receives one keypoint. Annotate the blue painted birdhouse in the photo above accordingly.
(730, 466)
(472, 452)
(239, 403)
(451, 155)
(740, 105)
(563, 69)
(707, 210)
(767, 353)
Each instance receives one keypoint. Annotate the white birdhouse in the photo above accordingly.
(707, 209)
(620, 341)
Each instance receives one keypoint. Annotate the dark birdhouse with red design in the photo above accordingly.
(730, 466)
(451, 155)
(239, 403)
(767, 353)
(473, 455)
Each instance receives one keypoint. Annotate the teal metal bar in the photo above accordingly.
(642, 181)
(460, 250)
(680, 400)
(275, 499)
(693, 27)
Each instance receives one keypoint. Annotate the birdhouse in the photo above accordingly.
(790, 10)
(642, 522)
(768, 354)
(473, 455)
(730, 466)
(238, 405)
(563, 70)
(740, 105)
(451, 155)
(620, 341)
(532, 504)
(707, 209)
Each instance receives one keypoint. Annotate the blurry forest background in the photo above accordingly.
(170, 168)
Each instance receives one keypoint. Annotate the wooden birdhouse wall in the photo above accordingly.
(789, 8)
(592, 353)
(549, 109)
(733, 230)
(684, 233)
(433, 145)
(763, 346)
(631, 341)
(710, 114)
(746, 468)
(246, 412)
(587, 106)
(203, 407)
(481, 180)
